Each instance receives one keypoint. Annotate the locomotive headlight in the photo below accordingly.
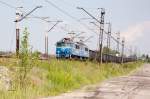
(67, 51)
(117, 55)
(58, 51)
(62, 49)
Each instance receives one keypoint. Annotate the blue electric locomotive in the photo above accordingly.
(67, 48)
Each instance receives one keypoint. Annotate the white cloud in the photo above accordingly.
(136, 31)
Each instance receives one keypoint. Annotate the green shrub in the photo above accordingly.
(59, 76)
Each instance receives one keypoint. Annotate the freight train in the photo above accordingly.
(94, 55)
(67, 48)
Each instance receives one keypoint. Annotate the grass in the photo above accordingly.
(59, 76)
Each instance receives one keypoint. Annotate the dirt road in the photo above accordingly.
(135, 86)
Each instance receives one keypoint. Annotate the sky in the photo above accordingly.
(129, 17)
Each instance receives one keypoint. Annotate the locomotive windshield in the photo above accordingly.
(62, 44)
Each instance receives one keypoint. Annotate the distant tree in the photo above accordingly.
(114, 52)
(147, 58)
(143, 56)
(106, 50)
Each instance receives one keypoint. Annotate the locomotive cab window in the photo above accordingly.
(86, 49)
(77, 47)
(60, 44)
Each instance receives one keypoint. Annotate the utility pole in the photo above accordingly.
(118, 41)
(122, 53)
(101, 34)
(101, 28)
(135, 53)
(46, 37)
(19, 18)
(46, 44)
(109, 36)
(108, 40)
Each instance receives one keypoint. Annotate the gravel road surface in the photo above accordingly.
(134, 86)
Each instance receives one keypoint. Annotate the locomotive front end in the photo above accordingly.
(63, 49)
